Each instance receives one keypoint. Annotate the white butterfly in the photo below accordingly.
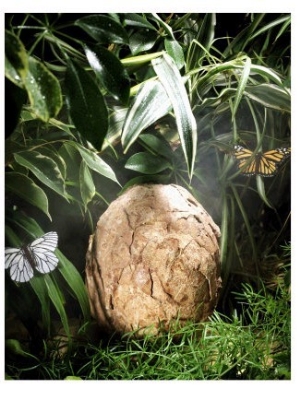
(39, 255)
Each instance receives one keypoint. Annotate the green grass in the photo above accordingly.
(253, 345)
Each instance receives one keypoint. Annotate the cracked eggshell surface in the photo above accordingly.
(153, 260)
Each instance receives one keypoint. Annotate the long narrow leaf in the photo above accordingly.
(242, 84)
(150, 104)
(58, 301)
(261, 191)
(44, 168)
(171, 79)
(39, 287)
(271, 96)
(75, 282)
(26, 189)
(86, 183)
(94, 162)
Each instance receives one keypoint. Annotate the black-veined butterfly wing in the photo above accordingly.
(39, 254)
(42, 251)
(264, 164)
(20, 268)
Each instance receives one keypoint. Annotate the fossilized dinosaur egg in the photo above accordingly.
(153, 260)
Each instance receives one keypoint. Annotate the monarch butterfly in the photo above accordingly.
(264, 164)
(38, 255)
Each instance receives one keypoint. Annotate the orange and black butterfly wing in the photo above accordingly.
(264, 164)
(270, 161)
(247, 161)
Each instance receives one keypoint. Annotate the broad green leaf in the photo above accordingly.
(44, 168)
(157, 145)
(175, 51)
(75, 282)
(52, 153)
(147, 163)
(43, 90)
(187, 128)
(110, 71)
(72, 158)
(103, 29)
(86, 183)
(26, 189)
(271, 96)
(142, 41)
(16, 60)
(150, 104)
(86, 103)
(95, 163)
(137, 20)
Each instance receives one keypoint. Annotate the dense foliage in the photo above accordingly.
(95, 103)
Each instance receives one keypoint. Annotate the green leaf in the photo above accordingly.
(57, 298)
(267, 27)
(13, 346)
(26, 189)
(87, 187)
(261, 191)
(44, 168)
(52, 153)
(137, 20)
(95, 162)
(16, 60)
(187, 128)
(72, 158)
(142, 41)
(266, 73)
(75, 282)
(147, 163)
(271, 96)
(110, 71)
(150, 104)
(43, 90)
(203, 40)
(175, 51)
(241, 86)
(137, 61)
(157, 145)
(103, 29)
(167, 28)
(86, 103)
(39, 287)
